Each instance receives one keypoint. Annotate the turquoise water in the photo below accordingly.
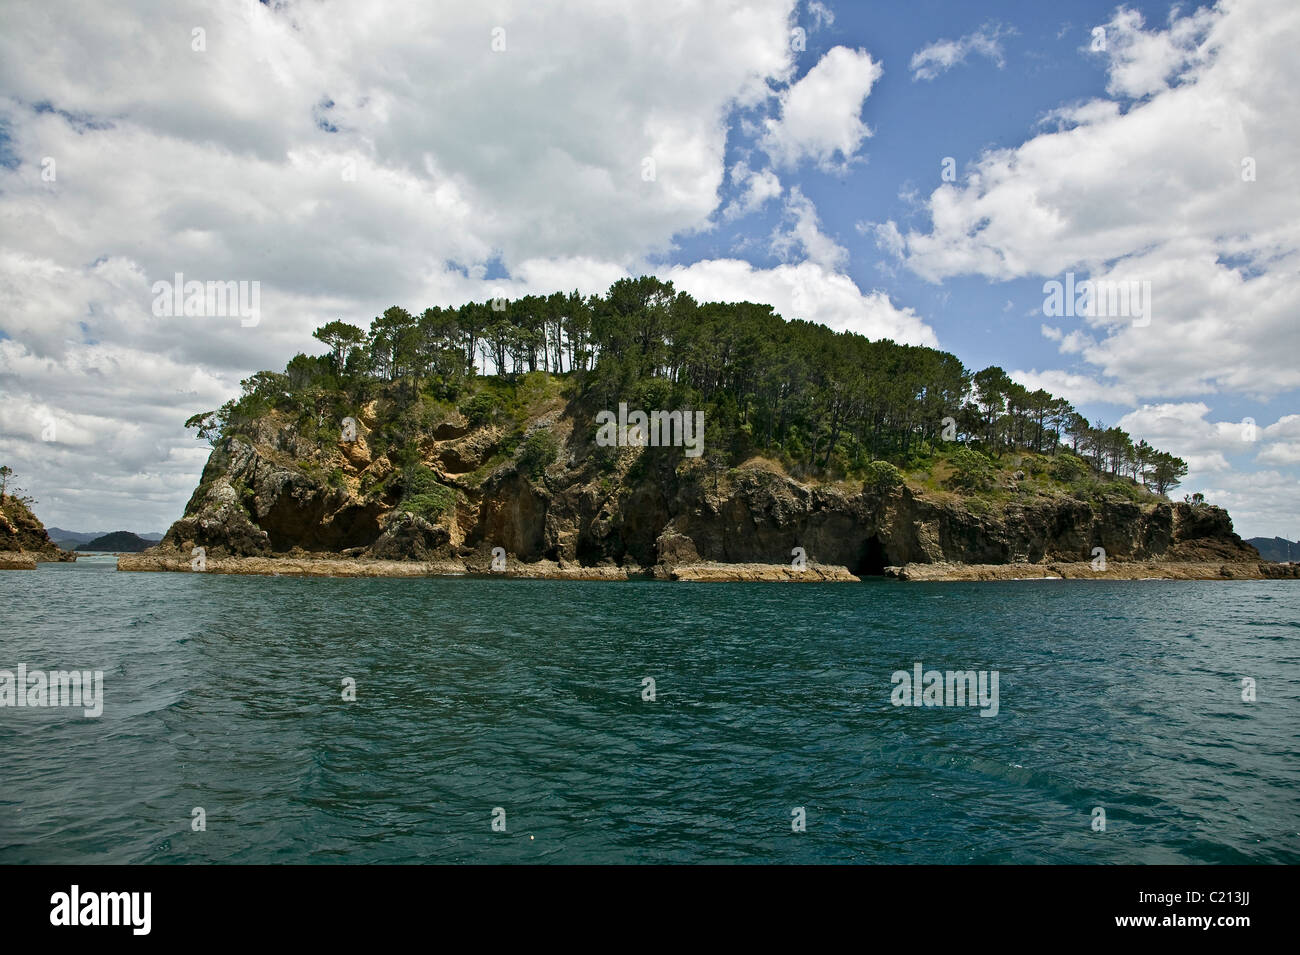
(476, 694)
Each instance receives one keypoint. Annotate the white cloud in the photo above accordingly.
(942, 55)
(888, 238)
(800, 235)
(1075, 388)
(447, 157)
(804, 291)
(756, 186)
(1182, 428)
(1280, 442)
(1105, 195)
(1142, 62)
(822, 15)
(1262, 503)
(821, 115)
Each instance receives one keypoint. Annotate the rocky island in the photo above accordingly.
(823, 456)
(23, 539)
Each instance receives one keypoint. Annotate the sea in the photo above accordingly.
(484, 720)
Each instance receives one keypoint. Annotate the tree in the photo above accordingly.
(1093, 441)
(341, 339)
(1059, 414)
(391, 343)
(209, 425)
(1039, 406)
(1166, 471)
(813, 398)
(1119, 449)
(6, 472)
(1141, 458)
(1077, 427)
(991, 387)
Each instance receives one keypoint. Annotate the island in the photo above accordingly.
(24, 541)
(642, 434)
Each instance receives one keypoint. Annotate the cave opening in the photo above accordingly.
(871, 560)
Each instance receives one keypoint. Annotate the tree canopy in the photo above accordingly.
(829, 401)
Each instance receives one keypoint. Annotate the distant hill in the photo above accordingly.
(64, 536)
(60, 534)
(117, 541)
(1276, 548)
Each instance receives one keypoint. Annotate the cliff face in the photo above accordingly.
(270, 492)
(22, 533)
(868, 531)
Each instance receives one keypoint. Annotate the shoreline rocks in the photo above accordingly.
(704, 572)
(1083, 570)
(23, 540)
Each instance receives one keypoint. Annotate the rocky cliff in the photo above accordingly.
(546, 492)
(21, 533)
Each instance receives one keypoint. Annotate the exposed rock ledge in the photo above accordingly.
(11, 560)
(1115, 570)
(326, 566)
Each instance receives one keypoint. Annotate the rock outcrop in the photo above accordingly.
(615, 512)
(23, 538)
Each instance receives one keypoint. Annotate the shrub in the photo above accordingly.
(539, 451)
(433, 505)
(424, 495)
(1069, 468)
(971, 470)
(480, 409)
(882, 476)
(420, 480)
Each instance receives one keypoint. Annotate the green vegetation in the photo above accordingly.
(539, 451)
(123, 541)
(10, 492)
(424, 495)
(972, 470)
(881, 476)
(824, 404)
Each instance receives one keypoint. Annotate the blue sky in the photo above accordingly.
(349, 159)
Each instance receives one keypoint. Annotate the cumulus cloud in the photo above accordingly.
(822, 15)
(1104, 195)
(1183, 428)
(800, 235)
(942, 55)
(1263, 503)
(806, 291)
(1142, 62)
(350, 158)
(1280, 442)
(1075, 388)
(756, 188)
(821, 115)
